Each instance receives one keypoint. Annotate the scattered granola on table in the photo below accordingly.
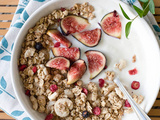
(47, 87)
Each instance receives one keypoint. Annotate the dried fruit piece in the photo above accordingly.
(135, 85)
(101, 82)
(111, 24)
(49, 117)
(72, 24)
(85, 91)
(34, 69)
(127, 104)
(22, 67)
(89, 38)
(27, 92)
(96, 111)
(133, 72)
(59, 63)
(72, 53)
(38, 46)
(76, 71)
(59, 37)
(53, 88)
(96, 62)
(85, 114)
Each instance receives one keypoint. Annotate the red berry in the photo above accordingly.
(135, 85)
(105, 67)
(22, 67)
(101, 82)
(63, 9)
(27, 93)
(53, 88)
(34, 69)
(49, 117)
(57, 44)
(85, 91)
(96, 111)
(133, 72)
(127, 104)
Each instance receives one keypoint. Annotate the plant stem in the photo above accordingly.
(7, 93)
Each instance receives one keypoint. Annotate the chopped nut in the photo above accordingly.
(134, 59)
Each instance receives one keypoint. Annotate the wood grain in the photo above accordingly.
(5, 24)
(7, 9)
(8, 2)
(6, 16)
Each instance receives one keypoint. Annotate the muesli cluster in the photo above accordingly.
(47, 87)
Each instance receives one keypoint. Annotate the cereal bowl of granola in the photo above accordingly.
(68, 53)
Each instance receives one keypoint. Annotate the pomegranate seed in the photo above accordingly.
(57, 44)
(135, 85)
(105, 67)
(115, 13)
(63, 9)
(96, 111)
(27, 93)
(34, 69)
(127, 104)
(85, 91)
(53, 88)
(49, 117)
(133, 72)
(22, 67)
(101, 82)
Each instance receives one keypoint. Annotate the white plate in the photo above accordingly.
(142, 43)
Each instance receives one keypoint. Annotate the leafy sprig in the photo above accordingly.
(147, 5)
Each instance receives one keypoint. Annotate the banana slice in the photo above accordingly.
(62, 107)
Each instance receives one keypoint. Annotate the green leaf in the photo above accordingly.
(138, 10)
(124, 13)
(152, 7)
(128, 28)
(144, 1)
(145, 11)
(144, 5)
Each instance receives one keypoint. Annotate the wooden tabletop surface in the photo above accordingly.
(7, 9)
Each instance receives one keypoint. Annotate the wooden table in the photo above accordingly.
(7, 9)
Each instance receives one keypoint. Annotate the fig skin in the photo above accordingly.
(115, 14)
(67, 32)
(71, 80)
(100, 37)
(105, 62)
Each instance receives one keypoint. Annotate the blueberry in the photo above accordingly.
(38, 46)
(85, 114)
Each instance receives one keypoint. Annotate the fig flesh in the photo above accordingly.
(76, 71)
(72, 53)
(55, 34)
(89, 38)
(96, 62)
(111, 24)
(60, 63)
(72, 24)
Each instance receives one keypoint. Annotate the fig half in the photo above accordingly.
(89, 38)
(111, 24)
(55, 34)
(96, 62)
(76, 71)
(72, 53)
(72, 24)
(60, 63)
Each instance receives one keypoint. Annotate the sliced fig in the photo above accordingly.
(72, 53)
(59, 37)
(111, 24)
(60, 63)
(96, 62)
(76, 71)
(72, 24)
(89, 38)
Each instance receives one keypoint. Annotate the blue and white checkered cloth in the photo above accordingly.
(8, 101)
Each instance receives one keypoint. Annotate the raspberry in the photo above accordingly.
(27, 93)
(101, 82)
(34, 69)
(133, 72)
(22, 67)
(53, 88)
(49, 117)
(57, 44)
(127, 104)
(85, 91)
(135, 85)
(96, 111)
(63, 9)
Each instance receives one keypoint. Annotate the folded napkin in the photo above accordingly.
(8, 101)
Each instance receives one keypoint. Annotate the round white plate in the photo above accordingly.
(141, 43)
